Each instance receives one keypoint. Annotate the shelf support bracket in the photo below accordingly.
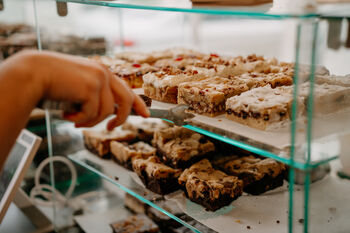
(62, 8)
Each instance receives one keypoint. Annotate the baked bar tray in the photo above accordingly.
(274, 143)
(264, 213)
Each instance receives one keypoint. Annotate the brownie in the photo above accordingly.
(179, 147)
(209, 187)
(98, 141)
(135, 205)
(202, 228)
(135, 224)
(156, 176)
(166, 223)
(123, 152)
(258, 174)
(145, 129)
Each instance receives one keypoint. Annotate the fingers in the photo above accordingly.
(89, 111)
(140, 107)
(124, 97)
(106, 106)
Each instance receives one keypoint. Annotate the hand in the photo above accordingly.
(75, 79)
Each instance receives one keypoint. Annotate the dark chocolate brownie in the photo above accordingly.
(166, 223)
(208, 187)
(135, 224)
(202, 228)
(258, 174)
(179, 147)
(156, 176)
(135, 205)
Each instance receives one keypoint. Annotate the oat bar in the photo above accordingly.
(209, 96)
(123, 152)
(179, 147)
(208, 187)
(156, 176)
(258, 174)
(163, 85)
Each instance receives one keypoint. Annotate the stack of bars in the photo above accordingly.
(252, 90)
(167, 158)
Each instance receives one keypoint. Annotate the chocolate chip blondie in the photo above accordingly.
(262, 106)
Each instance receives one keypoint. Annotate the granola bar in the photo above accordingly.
(208, 187)
(209, 96)
(156, 176)
(258, 174)
(98, 141)
(179, 147)
(163, 85)
(123, 152)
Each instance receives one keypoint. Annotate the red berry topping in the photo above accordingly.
(214, 55)
(136, 65)
(179, 59)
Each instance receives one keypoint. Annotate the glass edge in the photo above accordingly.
(253, 149)
(77, 161)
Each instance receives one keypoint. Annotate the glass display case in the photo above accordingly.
(309, 141)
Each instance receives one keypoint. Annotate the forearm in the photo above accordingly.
(20, 91)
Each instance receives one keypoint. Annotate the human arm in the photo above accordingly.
(28, 77)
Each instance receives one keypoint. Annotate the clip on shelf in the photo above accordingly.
(347, 43)
(334, 32)
(62, 8)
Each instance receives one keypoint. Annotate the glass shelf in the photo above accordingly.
(339, 10)
(246, 211)
(259, 11)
